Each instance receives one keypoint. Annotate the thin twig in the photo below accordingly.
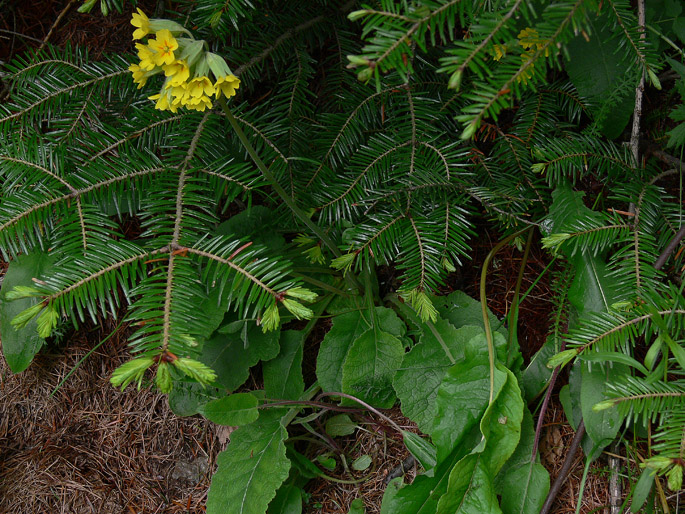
(663, 257)
(639, 91)
(54, 25)
(404, 466)
(561, 478)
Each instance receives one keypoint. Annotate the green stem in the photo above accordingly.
(271, 178)
(306, 396)
(537, 279)
(484, 307)
(514, 312)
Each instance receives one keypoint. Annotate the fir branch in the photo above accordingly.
(136, 134)
(229, 262)
(68, 89)
(344, 126)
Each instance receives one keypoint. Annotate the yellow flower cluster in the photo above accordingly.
(187, 66)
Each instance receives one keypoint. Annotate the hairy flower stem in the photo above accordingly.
(271, 178)
(514, 311)
(274, 183)
(484, 307)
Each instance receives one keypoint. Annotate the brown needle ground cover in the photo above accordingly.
(93, 449)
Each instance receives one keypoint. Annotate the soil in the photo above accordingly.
(86, 447)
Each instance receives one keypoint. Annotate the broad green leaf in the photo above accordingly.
(470, 489)
(232, 354)
(346, 329)
(592, 289)
(424, 367)
(20, 346)
(597, 68)
(423, 451)
(186, 398)
(536, 375)
(340, 425)
(388, 496)
(283, 375)
(501, 423)
(642, 489)
(602, 426)
(370, 366)
(471, 482)
(524, 489)
(251, 469)
(460, 310)
(357, 507)
(335, 345)
(523, 484)
(462, 400)
(288, 500)
(232, 410)
(257, 224)
(524, 449)
(423, 494)
(361, 463)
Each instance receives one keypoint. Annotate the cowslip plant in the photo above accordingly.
(320, 192)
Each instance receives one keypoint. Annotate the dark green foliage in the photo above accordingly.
(458, 115)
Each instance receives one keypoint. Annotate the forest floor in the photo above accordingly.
(86, 447)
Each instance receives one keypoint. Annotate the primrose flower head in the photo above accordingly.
(140, 75)
(164, 101)
(200, 86)
(178, 71)
(146, 57)
(226, 85)
(163, 47)
(141, 21)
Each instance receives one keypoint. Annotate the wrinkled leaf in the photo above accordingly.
(340, 425)
(335, 345)
(283, 375)
(242, 345)
(233, 410)
(423, 451)
(424, 367)
(251, 469)
(288, 500)
(20, 346)
(370, 366)
(186, 398)
(461, 401)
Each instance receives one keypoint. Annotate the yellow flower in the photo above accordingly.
(140, 76)
(142, 22)
(164, 47)
(163, 103)
(226, 85)
(146, 57)
(179, 72)
(199, 103)
(200, 86)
